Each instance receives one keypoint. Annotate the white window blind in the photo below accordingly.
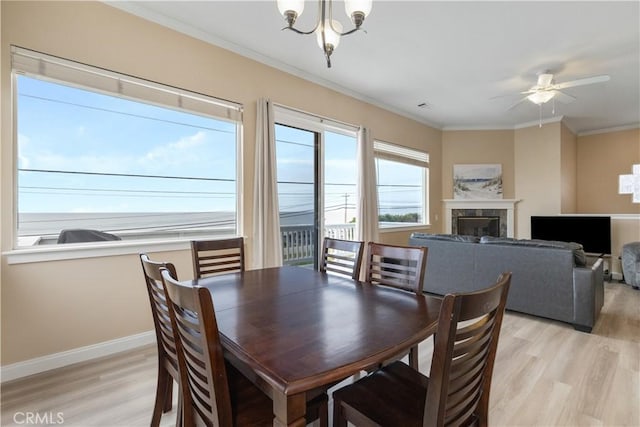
(37, 64)
(302, 119)
(398, 153)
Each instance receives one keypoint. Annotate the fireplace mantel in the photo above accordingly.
(507, 204)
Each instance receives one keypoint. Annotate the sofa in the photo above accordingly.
(550, 279)
(631, 264)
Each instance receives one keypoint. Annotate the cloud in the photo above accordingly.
(292, 161)
(23, 160)
(184, 151)
(81, 131)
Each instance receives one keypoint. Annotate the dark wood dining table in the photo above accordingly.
(295, 331)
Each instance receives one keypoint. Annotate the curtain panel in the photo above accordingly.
(367, 193)
(267, 241)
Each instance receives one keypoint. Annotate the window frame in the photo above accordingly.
(50, 68)
(408, 156)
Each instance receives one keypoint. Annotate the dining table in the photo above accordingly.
(295, 331)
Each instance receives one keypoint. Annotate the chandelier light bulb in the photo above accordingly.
(331, 37)
(285, 6)
(357, 10)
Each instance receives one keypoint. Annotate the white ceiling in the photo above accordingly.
(455, 56)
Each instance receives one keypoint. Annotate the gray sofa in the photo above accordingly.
(550, 279)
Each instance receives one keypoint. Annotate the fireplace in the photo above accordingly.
(479, 225)
(503, 209)
(479, 222)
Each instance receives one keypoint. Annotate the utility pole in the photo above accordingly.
(346, 196)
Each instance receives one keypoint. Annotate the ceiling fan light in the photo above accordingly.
(539, 98)
(545, 79)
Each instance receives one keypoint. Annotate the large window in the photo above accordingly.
(118, 157)
(402, 180)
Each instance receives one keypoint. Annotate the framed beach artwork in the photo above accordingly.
(483, 181)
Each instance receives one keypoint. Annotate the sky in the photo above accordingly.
(67, 129)
(84, 152)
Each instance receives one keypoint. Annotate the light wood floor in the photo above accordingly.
(546, 374)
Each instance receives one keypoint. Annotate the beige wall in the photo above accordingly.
(601, 159)
(568, 166)
(471, 147)
(55, 306)
(537, 174)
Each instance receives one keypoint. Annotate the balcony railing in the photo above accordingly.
(298, 243)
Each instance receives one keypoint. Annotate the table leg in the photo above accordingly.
(289, 410)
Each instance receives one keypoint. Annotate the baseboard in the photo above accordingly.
(616, 276)
(82, 354)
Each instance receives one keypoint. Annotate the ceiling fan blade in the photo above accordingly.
(562, 97)
(582, 82)
(506, 95)
(516, 103)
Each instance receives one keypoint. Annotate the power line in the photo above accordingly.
(294, 143)
(89, 107)
(128, 175)
(122, 190)
(168, 196)
(114, 216)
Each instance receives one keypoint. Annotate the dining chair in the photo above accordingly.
(167, 356)
(214, 392)
(212, 257)
(342, 257)
(401, 267)
(457, 389)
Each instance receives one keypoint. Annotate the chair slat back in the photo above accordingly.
(464, 354)
(160, 310)
(200, 354)
(342, 257)
(400, 267)
(213, 257)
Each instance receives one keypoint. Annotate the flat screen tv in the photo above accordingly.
(593, 232)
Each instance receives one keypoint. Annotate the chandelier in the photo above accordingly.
(328, 30)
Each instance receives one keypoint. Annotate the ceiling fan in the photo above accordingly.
(546, 89)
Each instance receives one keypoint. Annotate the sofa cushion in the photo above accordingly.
(447, 237)
(579, 256)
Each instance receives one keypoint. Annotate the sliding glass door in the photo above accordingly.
(296, 162)
(317, 172)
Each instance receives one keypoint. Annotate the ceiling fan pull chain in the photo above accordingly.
(540, 110)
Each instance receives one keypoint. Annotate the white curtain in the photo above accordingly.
(267, 241)
(367, 206)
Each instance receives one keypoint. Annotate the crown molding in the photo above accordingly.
(611, 129)
(538, 122)
(472, 128)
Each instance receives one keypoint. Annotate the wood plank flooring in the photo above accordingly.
(546, 374)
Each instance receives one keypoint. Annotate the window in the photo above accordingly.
(119, 156)
(402, 180)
